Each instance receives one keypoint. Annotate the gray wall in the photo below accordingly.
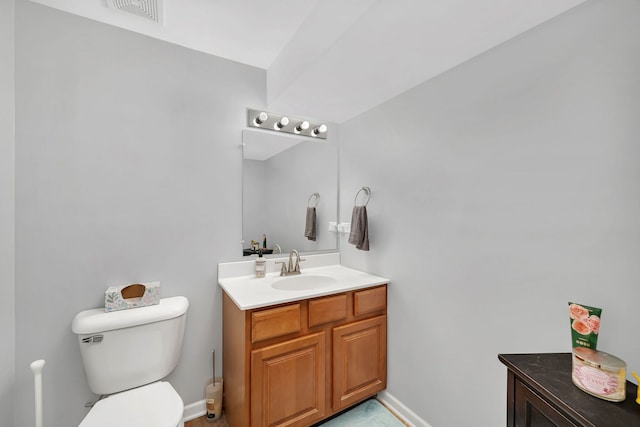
(7, 211)
(128, 168)
(503, 189)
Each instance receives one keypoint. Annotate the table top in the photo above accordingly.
(549, 374)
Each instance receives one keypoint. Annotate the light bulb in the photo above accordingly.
(320, 129)
(301, 126)
(261, 118)
(281, 123)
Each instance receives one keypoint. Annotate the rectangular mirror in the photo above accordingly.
(280, 175)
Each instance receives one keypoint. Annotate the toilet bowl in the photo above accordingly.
(153, 405)
(125, 355)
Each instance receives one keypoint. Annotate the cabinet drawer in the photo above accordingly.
(275, 322)
(329, 309)
(369, 300)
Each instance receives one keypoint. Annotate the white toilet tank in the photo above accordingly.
(129, 348)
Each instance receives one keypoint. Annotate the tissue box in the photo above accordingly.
(131, 296)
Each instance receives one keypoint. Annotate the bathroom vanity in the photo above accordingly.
(298, 351)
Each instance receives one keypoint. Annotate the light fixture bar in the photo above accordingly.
(287, 124)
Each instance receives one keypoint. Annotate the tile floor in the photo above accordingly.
(222, 422)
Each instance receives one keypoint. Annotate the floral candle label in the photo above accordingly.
(585, 324)
(603, 383)
(597, 381)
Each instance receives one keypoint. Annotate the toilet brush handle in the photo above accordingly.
(36, 368)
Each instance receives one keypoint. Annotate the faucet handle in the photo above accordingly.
(283, 270)
(298, 261)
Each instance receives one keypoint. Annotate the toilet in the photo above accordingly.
(126, 354)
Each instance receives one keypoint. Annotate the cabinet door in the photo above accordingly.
(359, 360)
(288, 382)
(532, 411)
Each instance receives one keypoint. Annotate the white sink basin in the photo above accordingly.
(322, 275)
(303, 282)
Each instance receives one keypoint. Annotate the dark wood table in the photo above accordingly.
(540, 393)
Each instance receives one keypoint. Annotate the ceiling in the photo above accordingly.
(334, 59)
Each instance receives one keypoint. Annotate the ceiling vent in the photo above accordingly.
(150, 9)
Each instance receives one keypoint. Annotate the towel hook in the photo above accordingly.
(367, 191)
(317, 196)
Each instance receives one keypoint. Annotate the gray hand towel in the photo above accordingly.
(359, 235)
(310, 226)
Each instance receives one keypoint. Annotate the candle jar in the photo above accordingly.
(600, 374)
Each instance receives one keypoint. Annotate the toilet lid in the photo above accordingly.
(153, 405)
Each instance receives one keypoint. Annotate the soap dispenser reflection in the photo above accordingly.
(261, 266)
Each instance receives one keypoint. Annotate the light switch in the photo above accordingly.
(344, 227)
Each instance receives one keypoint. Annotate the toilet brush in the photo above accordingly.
(36, 368)
(213, 393)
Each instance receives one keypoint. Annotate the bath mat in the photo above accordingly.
(370, 413)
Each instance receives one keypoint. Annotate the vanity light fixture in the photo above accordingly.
(303, 125)
(299, 126)
(319, 130)
(281, 123)
(260, 118)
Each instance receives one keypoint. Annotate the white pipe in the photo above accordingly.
(36, 367)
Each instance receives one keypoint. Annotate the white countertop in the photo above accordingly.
(247, 292)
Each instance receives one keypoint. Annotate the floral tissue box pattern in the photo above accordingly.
(131, 296)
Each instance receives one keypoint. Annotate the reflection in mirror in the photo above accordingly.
(280, 175)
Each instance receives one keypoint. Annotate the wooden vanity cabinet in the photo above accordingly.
(298, 363)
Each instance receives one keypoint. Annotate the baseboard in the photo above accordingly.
(404, 413)
(199, 409)
(195, 410)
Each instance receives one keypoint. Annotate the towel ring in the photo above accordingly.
(367, 191)
(317, 196)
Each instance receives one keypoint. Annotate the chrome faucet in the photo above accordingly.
(291, 268)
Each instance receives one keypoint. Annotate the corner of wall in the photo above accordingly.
(7, 210)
